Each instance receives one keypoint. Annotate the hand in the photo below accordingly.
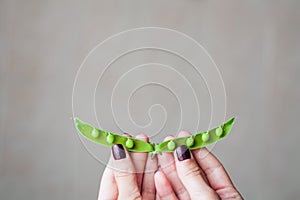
(128, 175)
(192, 175)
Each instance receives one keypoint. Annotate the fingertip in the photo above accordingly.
(183, 133)
(143, 137)
(170, 137)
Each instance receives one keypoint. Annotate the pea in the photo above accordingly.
(110, 138)
(219, 131)
(195, 141)
(171, 145)
(129, 143)
(95, 133)
(190, 141)
(205, 137)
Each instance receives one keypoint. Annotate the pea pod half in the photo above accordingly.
(198, 140)
(195, 141)
(108, 139)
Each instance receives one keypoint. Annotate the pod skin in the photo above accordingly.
(135, 145)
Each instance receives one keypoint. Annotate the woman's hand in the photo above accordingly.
(183, 175)
(128, 175)
(192, 175)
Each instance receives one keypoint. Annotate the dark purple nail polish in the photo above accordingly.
(118, 151)
(183, 153)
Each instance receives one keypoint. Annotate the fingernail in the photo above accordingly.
(118, 151)
(183, 153)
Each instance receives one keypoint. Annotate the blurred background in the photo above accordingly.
(255, 44)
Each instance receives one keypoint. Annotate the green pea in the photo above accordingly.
(129, 143)
(219, 131)
(190, 141)
(110, 138)
(205, 137)
(171, 145)
(95, 133)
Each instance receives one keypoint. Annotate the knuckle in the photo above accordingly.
(148, 191)
(211, 170)
(192, 171)
(131, 197)
(124, 173)
(181, 191)
(169, 169)
(208, 193)
(134, 195)
(229, 193)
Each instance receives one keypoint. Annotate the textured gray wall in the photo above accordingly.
(256, 45)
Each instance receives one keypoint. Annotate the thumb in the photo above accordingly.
(124, 173)
(190, 174)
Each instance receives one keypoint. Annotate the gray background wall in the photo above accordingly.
(256, 45)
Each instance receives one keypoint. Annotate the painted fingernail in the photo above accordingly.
(118, 152)
(183, 153)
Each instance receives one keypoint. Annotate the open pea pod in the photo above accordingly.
(108, 139)
(195, 141)
(198, 140)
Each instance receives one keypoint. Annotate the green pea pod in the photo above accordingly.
(195, 141)
(198, 140)
(108, 139)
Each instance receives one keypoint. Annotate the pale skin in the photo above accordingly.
(200, 177)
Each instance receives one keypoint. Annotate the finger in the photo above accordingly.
(167, 165)
(215, 172)
(148, 185)
(163, 187)
(189, 173)
(184, 134)
(108, 186)
(124, 173)
(139, 160)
